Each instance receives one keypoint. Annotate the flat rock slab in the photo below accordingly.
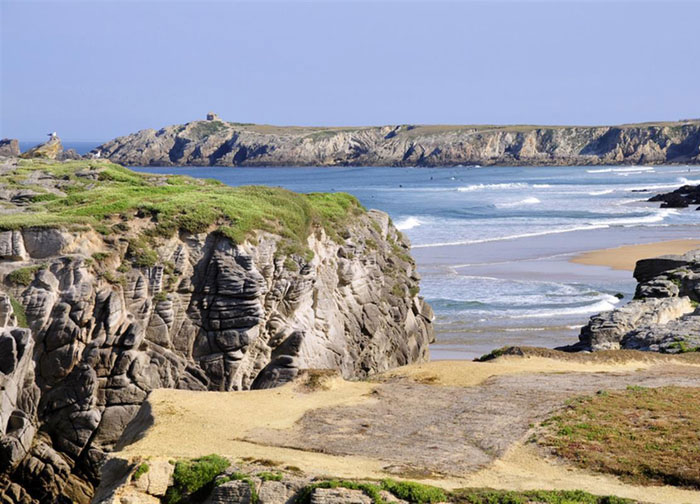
(452, 430)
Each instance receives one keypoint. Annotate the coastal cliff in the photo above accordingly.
(662, 317)
(117, 283)
(216, 142)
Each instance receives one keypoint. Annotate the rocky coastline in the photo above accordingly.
(662, 317)
(96, 312)
(214, 142)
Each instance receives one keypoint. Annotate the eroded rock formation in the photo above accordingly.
(215, 142)
(663, 315)
(208, 314)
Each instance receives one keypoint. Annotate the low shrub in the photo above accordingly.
(195, 477)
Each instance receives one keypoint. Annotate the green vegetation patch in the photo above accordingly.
(415, 493)
(270, 476)
(204, 129)
(683, 347)
(195, 478)
(176, 203)
(24, 276)
(20, 313)
(490, 496)
(643, 435)
(140, 471)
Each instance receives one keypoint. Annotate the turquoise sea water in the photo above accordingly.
(493, 244)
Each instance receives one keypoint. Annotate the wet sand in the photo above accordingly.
(625, 257)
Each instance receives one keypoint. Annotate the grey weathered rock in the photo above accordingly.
(215, 142)
(9, 147)
(210, 314)
(339, 496)
(12, 246)
(238, 492)
(51, 149)
(279, 492)
(662, 317)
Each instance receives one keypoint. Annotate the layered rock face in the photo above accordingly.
(209, 314)
(215, 142)
(663, 316)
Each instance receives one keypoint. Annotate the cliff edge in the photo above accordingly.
(221, 143)
(117, 283)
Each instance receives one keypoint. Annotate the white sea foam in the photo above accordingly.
(600, 193)
(607, 303)
(527, 201)
(408, 223)
(622, 170)
(541, 186)
(486, 187)
(657, 216)
(514, 237)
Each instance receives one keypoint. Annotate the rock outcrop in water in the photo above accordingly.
(682, 197)
(97, 312)
(215, 142)
(662, 317)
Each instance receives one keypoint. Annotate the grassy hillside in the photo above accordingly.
(100, 193)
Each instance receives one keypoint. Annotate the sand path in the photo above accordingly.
(454, 424)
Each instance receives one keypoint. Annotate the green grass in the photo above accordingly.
(178, 203)
(100, 257)
(203, 129)
(24, 276)
(20, 313)
(683, 347)
(414, 493)
(490, 496)
(140, 471)
(643, 435)
(269, 476)
(193, 478)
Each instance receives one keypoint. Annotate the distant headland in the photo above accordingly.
(214, 142)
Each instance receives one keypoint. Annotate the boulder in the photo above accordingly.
(12, 246)
(339, 496)
(231, 492)
(48, 150)
(9, 147)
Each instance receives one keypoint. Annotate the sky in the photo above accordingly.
(95, 70)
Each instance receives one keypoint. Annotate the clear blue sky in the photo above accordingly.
(95, 70)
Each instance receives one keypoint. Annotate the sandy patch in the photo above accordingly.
(625, 258)
(468, 374)
(192, 424)
(407, 418)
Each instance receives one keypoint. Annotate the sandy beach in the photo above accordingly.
(625, 257)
